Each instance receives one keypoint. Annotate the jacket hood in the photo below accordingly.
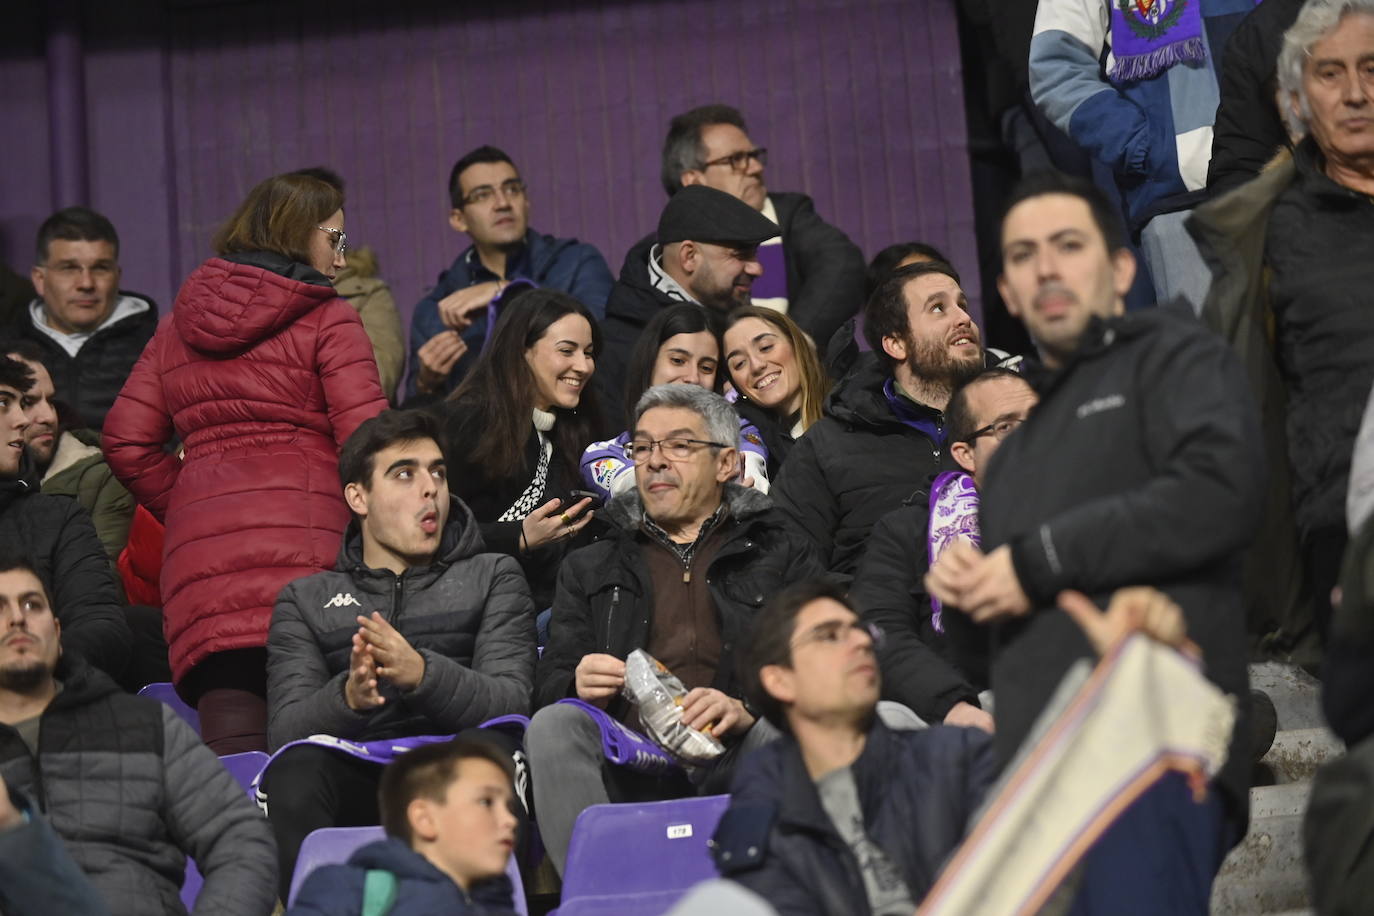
(858, 399)
(396, 857)
(462, 538)
(74, 447)
(643, 301)
(81, 683)
(229, 304)
(626, 511)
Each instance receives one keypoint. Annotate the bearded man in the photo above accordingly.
(883, 434)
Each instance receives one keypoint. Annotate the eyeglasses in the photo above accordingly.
(740, 161)
(675, 448)
(512, 189)
(339, 236)
(999, 430)
(839, 631)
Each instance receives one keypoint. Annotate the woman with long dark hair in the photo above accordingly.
(774, 368)
(679, 345)
(516, 426)
(262, 373)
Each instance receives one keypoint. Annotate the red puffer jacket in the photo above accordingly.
(262, 375)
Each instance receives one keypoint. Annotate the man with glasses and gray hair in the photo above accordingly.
(690, 558)
(490, 203)
(811, 270)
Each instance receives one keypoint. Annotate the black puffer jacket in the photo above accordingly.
(918, 791)
(921, 668)
(132, 791)
(469, 615)
(1141, 465)
(90, 381)
(855, 465)
(605, 600)
(57, 534)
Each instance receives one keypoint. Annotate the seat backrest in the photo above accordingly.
(645, 848)
(166, 693)
(245, 767)
(333, 846)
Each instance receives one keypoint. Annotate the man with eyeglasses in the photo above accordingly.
(811, 270)
(689, 559)
(1142, 464)
(91, 332)
(843, 815)
(925, 666)
(492, 206)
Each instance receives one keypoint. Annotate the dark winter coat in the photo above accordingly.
(632, 304)
(775, 433)
(605, 600)
(918, 791)
(263, 372)
(90, 381)
(855, 465)
(57, 535)
(132, 791)
(1141, 465)
(921, 668)
(1249, 130)
(566, 265)
(421, 889)
(468, 614)
(825, 270)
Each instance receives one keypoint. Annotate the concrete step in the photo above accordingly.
(1265, 873)
(1296, 694)
(1295, 755)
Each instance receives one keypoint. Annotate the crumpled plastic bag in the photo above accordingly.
(658, 694)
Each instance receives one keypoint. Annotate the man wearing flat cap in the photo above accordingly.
(705, 251)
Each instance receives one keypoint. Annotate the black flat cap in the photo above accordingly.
(704, 214)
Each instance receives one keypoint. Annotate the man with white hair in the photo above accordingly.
(1292, 298)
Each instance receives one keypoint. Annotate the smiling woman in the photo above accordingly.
(775, 369)
(516, 427)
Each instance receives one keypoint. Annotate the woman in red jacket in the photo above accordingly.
(262, 372)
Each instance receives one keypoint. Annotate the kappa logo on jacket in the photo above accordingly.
(341, 599)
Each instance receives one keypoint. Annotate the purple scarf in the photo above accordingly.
(953, 513)
(1150, 36)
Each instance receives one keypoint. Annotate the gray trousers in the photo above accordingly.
(1176, 265)
(569, 772)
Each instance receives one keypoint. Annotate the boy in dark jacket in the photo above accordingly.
(447, 810)
(419, 631)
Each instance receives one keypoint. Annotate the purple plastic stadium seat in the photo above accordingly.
(167, 694)
(638, 859)
(243, 767)
(333, 846)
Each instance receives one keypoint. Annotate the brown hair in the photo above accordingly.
(279, 215)
(815, 384)
(427, 772)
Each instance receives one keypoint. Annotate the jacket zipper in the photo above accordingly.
(610, 613)
(395, 600)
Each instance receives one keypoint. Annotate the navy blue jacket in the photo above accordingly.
(918, 791)
(568, 265)
(421, 889)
